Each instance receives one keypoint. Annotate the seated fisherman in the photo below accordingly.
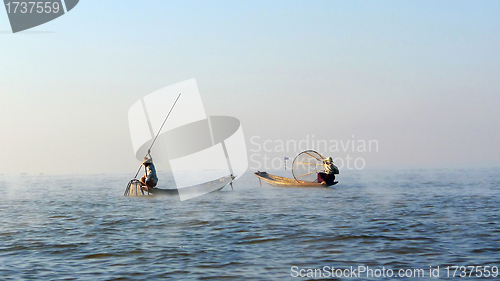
(149, 180)
(328, 176)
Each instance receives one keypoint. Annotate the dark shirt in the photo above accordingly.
(151, 172)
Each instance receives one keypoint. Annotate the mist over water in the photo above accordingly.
(82, 227)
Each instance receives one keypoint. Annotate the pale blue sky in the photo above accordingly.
(420, 77)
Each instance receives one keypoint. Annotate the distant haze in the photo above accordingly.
(421, 78)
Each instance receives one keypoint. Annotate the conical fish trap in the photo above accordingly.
(307, 165)
(134, 188)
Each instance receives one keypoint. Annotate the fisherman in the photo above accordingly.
(328, 176)
(149, 180)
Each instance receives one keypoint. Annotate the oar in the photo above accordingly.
(157, 134)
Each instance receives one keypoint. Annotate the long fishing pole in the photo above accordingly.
(157, 134)
(149, 149)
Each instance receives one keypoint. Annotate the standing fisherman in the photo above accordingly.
(149, 180)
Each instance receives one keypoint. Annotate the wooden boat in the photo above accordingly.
(282, 181)
(202, 188)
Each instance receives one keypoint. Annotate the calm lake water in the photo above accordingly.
(83, 228)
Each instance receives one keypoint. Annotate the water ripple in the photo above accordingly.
(74, 228)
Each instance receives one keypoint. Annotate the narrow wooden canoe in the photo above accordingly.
(282, 181)
(202, 188)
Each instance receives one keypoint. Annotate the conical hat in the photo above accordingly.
(147, 160)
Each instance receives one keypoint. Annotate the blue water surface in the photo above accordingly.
(81, 227)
